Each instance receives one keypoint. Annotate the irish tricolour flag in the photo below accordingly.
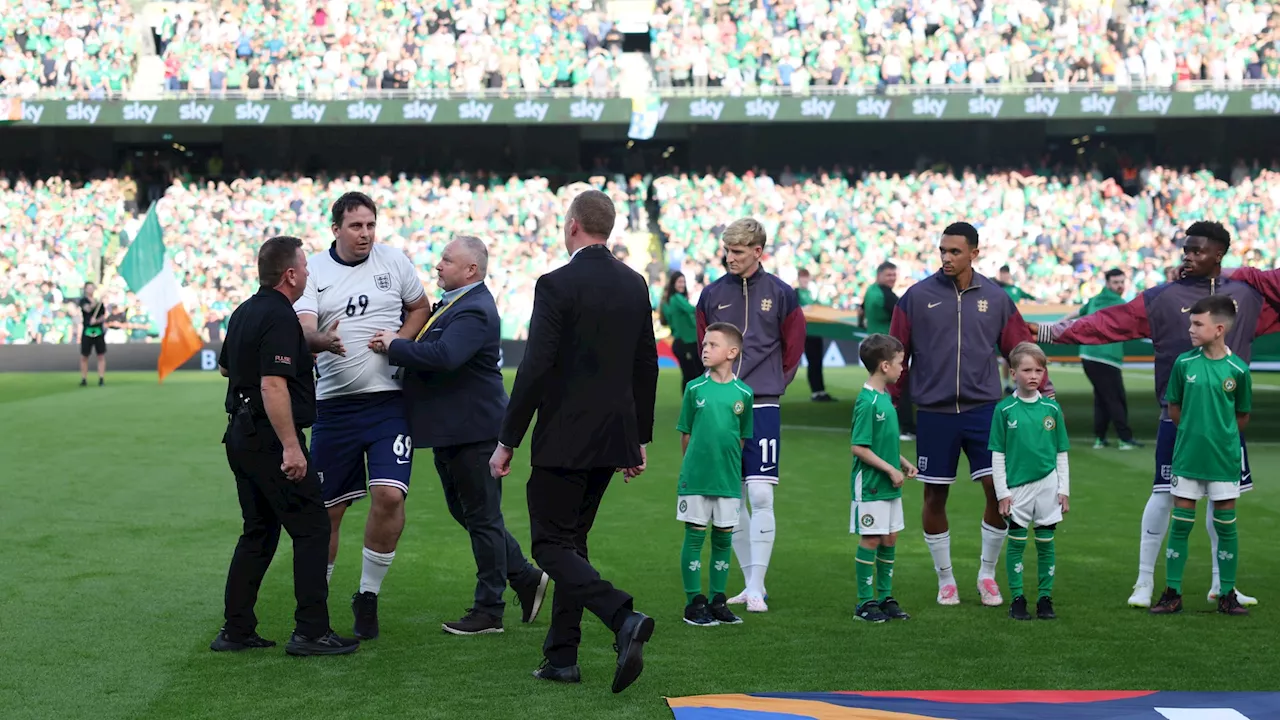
(150, 276)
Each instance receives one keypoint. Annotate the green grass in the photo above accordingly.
(119, 518)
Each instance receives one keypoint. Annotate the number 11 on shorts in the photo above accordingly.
(768, 453)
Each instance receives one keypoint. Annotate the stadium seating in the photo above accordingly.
(340, 49)
(1056, 232)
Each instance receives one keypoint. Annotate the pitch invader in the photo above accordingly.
(949, 325)
(773, 329)
(362, 287)
(1162, 313)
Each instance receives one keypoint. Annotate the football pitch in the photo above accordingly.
(120, 516)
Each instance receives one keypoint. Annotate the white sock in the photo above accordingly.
(374, 569)
(328, 576)
(940, 549)
(742, 542)
(992, 543)
(763, 526)
(1213, 549)
(1155, 523)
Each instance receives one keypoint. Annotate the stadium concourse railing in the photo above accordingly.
(843, 325)
(358, 106)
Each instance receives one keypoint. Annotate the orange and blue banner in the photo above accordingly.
(982, 705)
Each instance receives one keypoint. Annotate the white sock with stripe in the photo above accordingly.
(1155, 523)
(374, 569)
(940, 549)
(992, 543)
(742, 543)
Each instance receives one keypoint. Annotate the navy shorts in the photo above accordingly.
(760, 454)
(941, 436)
(1166, 437)
(352, 430)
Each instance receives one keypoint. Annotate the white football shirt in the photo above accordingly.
(362, 299)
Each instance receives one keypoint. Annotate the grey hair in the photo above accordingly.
(477, 250)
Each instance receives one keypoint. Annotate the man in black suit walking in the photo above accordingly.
(453, 387)
(590, 371)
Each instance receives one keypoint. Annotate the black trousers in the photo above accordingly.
(690, 360)
(1110, 405)
(906, 415)
(269, 501)
(562, 509)
(813, 352)
(474, 498)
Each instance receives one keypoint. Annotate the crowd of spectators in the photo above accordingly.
(345, 47)
(1057, 231)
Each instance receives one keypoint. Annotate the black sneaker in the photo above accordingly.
(226, 643)
(547, 671)
(821, 396)
(529, 597)
(365, 607)
(475, 622)
(84, 382)
(101, 382)
(869, 611)
(721, 613)
(327, 644)
(1170, 603)
(1229, 604)
(698, 614)
(1018, 609)
(1044, 609)
(891, 610)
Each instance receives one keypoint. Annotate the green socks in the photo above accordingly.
(1224, 521)
(721, 551)
(866, 566)
(691, 561)
(884, 571)
(1176, 554)
(1013, 558)
(1044, 560)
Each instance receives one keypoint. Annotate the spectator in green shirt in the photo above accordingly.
(877, 314)
(1102, 365)
(678, 314)
(814, 346)
(1015, 293)
(878, 303)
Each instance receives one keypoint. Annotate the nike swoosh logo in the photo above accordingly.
(402, 462)
(934, 305)
(322, 289)
(1186, 309)
(767, 467)
(721, 307)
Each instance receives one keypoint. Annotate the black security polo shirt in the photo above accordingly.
(264, 338)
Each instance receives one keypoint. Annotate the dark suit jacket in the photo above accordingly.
(452, 382)
(590, 368)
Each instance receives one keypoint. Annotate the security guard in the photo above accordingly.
(271, 397)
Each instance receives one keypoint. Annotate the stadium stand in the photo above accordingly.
(1056, 231)
(338, 48)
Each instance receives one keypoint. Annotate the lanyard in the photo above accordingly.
(437, 314)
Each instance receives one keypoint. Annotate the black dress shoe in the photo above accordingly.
(632, 636)
(547, 671)
(530, 596)
(225, 643)
(475, 622)
(327, 644)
